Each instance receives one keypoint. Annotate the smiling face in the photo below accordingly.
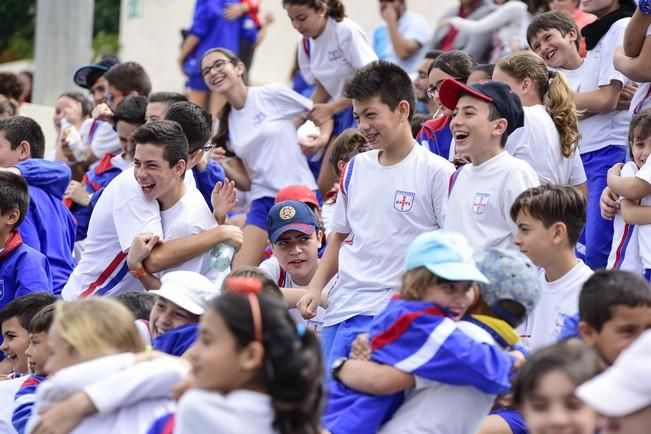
(552, 407)
(14, 344)
(421, 81)
(297, 253)
(99, 90)
(435, 78)
(66, 106)
(568, 6)
(308, 22)
(156, 111)
(640, 148)
(453, 296)
(125, 135)
(220, 73)
(378, 122)
(475, 135)
(153, 172)
(534, 239)
(556, 50)
(166, 316)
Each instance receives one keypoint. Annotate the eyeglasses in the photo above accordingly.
(432, 90)
(208, 147)
(218, 65)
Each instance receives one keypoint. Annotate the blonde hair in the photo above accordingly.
(416, 281)
(553, 89)
(96, 327)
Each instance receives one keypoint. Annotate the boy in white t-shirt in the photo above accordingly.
(481, 193)
(550, 219)
(295, 236)
(387, 197)
(597, 87)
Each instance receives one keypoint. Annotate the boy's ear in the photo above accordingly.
(12, 216)
(404, 108)
(559, 232)
(501, 125)
(319, 237)
(24, 150)
(180, 167)
(588, 334)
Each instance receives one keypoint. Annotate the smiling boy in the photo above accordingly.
(481, 193)
(387, 197)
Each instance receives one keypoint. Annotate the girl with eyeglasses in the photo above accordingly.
(256, 126)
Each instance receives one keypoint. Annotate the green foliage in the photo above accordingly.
(19, 21)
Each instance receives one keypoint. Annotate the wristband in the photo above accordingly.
(139, 272)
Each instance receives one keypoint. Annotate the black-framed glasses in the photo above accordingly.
(431, 90)
(208, 147)
(218, 65)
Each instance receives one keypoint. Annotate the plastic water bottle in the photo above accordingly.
(220, 262)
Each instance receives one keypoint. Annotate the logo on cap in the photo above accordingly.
(287, 212)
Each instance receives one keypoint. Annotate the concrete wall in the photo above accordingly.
(150, 34)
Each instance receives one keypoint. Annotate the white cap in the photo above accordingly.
(189, 290)
(625, 387)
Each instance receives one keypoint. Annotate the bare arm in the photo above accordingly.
(404, 48)
(235, 170)
(636, 68)
(374, 378)
(602, 100)
(189, 44)
(635, 214)
(636, 33)
(631, 187)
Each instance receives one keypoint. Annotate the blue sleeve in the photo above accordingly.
(53, 177)
(513, 419)
(433, 348)
(24, 403)
(350, 411)
(28, 231)
(202, 17)
(177, 341)
(33, 273)
(207, 178)
(570, 328)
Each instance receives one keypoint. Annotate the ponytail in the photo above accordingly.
(559, 101)
(553, 90)
(334, 8)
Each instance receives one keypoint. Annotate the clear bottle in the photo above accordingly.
(220, 262)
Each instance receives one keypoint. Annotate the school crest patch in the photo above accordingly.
(259, 118)
(480, 203)
(287, 212)
(403, 201)
(335, 55)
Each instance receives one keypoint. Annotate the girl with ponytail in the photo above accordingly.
(548, 140)
(332, 48)
(255, 370)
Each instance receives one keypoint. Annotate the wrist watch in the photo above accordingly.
(336, 367)
(139, 272)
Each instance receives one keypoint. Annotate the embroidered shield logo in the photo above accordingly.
(287, 212)
(403, 201)
(480, 203)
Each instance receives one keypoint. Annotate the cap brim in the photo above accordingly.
(457, 272)
(87, 75)
(451, 90)
(303, 228)
(177, 298)
(607, 395)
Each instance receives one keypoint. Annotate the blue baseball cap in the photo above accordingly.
(87, 75)
(446, 254)
(290, 215)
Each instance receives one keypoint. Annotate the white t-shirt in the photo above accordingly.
(263, 135)
(538, 143)
(241, 412)
(120, 162)
(382, 208)
(334, 55)
(271, 266)
(602, 129)
(625, 250)
(121, 213)
(644, 231)
(439, 408)
(412, 27)
(642, 98)
(8, 389)
(189, 216)
(479, 204)
(100, 137)
(558, 301)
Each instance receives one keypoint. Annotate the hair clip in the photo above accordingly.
(300, 329)
(243, 285)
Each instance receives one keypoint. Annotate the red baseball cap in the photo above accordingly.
(298, 192)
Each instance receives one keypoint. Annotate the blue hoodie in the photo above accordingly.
(177, 341)
(49, 227)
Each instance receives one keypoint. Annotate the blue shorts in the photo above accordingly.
(337, 339)
(258, 211)
(647, 274)
(343, 120)
(195, 82)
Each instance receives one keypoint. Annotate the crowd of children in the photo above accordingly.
(466, 250)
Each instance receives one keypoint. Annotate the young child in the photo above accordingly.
(37, 355)
(295, 236)
(549, 138)
(387, 197)
(614, 309)
(545, 389)
(597, 86)
(180, 302)
(22, 269)
(439, 275)
(621, 393)
(254, 369)
(632, 222)
(549, 220)
(631, 184)
(480, 194)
